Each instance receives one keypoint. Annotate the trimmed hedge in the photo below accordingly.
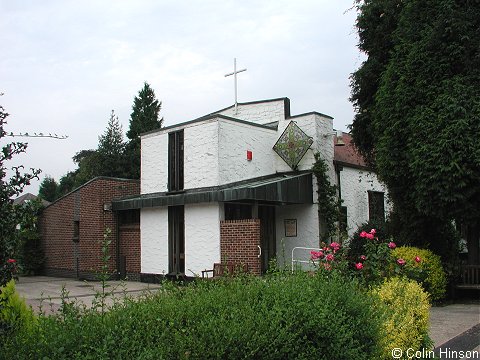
(283, 316)
(405, 307)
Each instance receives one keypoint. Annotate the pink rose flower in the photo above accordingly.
(417, 259)
(330, 257)
(316, 255)
(363, 257)
(335, 246)
(359, 266)
(11, 261)
(363, 234)
(373, 232)
(401, 262)
(369, 236)
(392, 245)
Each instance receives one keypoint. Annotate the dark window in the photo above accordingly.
(376, 206)
(129, 217)
(238, 211)
(176, 239)
(175, 161)
(76, 230)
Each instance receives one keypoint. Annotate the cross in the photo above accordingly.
(234, 73)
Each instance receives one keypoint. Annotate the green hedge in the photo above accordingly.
(280, 317)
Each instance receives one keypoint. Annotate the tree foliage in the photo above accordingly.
(111, 149)
(10, 187)
(418, 105)
(144, 118)
(48, 189)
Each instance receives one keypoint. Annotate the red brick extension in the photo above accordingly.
(239, 241)
(66, 257)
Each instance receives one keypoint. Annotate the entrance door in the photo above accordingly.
(176, 240)
(266, 214)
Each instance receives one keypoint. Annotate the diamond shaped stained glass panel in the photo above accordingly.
(292, 145)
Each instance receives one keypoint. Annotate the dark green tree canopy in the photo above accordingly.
(145, 114)
(111, 149)
(144, 118)
(48, 189)
(418, 103)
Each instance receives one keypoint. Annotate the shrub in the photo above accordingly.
(356, 245)
(283, 316)
(15, 315)
(405, 309)
(435, 280)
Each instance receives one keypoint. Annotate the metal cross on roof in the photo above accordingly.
(234, 73)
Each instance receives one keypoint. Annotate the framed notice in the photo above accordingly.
(290, 227)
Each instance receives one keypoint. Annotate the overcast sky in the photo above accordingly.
(66, 64)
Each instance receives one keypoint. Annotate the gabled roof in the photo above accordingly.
(28, 197)
(348, 155)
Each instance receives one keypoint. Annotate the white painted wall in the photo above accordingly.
(260, 113)
(154, 240)
(307, 231)
(154, 163)
(355, 184)
(202, 237)
(201, 155)
(234, 141)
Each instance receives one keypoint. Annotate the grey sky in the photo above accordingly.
(66, 64)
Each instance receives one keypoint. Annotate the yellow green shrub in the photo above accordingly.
(405, 307)
(435, 280)
(14, 312)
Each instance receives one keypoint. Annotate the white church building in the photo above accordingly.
(236, 186)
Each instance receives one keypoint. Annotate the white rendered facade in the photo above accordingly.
(214, 155)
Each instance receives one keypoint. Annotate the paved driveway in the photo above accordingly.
(45, 293)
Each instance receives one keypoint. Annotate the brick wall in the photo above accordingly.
(239, 241)
(86, 205)
(129, 237)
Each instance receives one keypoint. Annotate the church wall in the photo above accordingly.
(319, 128)
(154, 240)
(355, 184)
(307, 231)
(260, 113)
(154, 163)
(202, 237)
(201, 155)
(234, 141)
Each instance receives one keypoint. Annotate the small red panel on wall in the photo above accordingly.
(249, 155)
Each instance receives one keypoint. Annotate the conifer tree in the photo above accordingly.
(144, 118)
(111, 149)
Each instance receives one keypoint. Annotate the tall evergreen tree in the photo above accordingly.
(48, 189)
(111, 149)
(419, 121)
(144, 118)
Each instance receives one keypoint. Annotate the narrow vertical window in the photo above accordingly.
(76, 231)
(175, 161)
(376, 206)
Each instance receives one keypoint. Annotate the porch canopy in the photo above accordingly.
(282, 189)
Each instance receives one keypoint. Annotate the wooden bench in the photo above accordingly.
(470, 277)
(225, 269)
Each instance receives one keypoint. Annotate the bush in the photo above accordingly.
(405, 309)
(356, 245)
(15, 315)
(283, 316)
(435, 280)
